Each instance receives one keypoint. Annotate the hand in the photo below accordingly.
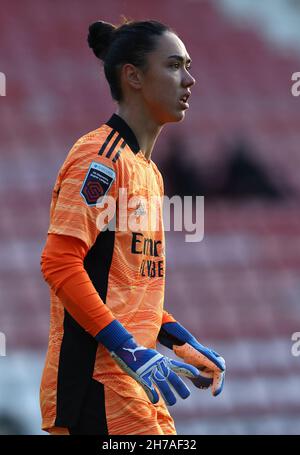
(210, 364)
(148, 367)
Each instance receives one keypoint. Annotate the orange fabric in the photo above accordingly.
(135, 416)
(69, 213)
(128, 416)
(167, 317)
(62, 267)
(136, 279)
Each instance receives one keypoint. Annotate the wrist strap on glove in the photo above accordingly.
(113, 335)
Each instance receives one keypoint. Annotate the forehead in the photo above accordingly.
(170, 44)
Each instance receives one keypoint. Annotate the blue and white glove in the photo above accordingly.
(147, 366)
(209, 363)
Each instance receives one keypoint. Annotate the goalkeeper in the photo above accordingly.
(103, 374)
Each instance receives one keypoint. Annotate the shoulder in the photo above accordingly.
(102, 145)
(101, 142)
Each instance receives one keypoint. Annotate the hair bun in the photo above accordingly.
(100, 37)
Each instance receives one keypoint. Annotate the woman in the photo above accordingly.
(102, 373)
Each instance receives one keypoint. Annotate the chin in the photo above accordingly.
(174, 117)
(181, 116)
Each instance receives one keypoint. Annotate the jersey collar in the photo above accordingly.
(117, 123)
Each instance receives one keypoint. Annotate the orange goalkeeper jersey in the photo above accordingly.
(126, 263)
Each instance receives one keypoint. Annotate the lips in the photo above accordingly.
(185, 97)
(183, 100)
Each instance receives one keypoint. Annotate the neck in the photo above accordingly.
(144, 128)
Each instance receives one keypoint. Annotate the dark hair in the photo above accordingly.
(127, 43)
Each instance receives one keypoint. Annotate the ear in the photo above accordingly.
(132, 75)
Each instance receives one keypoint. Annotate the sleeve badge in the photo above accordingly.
(97, 183)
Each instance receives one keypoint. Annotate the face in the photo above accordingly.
(167, 82)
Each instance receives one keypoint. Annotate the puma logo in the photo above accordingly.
(139, 348)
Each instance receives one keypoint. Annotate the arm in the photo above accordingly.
(63, 269)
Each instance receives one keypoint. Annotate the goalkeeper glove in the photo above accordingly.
(147, 366)
(210, 364)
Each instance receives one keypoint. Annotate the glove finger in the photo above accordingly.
(143, 380)
(152, 394)
(185, 369)
(205, 380)
(222, 363)
(163, 387)
(178, 384)
(200, 356)
(148, 386)
(214, 360)
(218, 383)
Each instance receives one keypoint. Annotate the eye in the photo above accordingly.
(175, 65)
(189, 67)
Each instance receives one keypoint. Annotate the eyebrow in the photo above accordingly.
(180, 58)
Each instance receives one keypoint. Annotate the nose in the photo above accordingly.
(188, 80)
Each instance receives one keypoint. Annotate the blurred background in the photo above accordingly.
(238, 290)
